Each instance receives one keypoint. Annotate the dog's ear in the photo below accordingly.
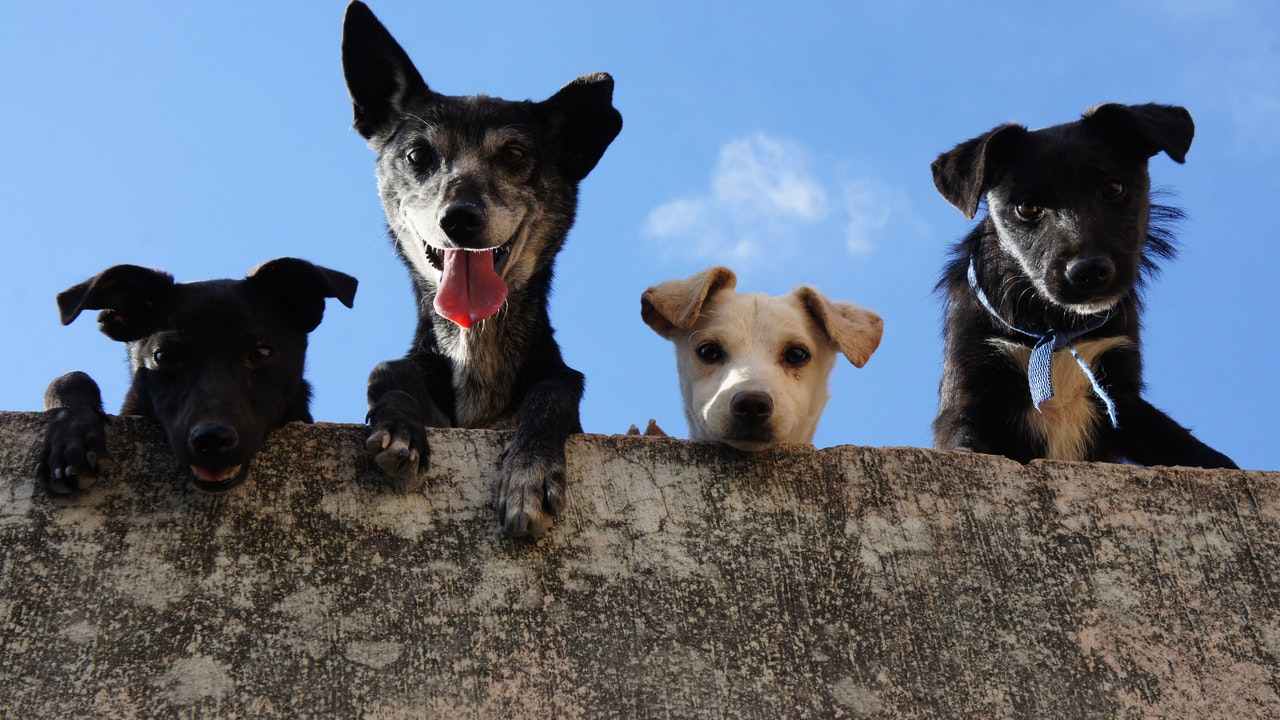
(856, 331)
(132, 300)
(1148, 128)
(380, 76)
(301, 288)
(676, 305)
(583, 118)
(967, 171)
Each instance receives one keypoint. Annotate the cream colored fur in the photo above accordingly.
(755, 331)
(1068, 421)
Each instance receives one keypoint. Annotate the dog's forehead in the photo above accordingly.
(1073, 145)
(755, 314)
(215, 307)
(471, 120)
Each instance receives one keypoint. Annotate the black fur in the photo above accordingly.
(1069, 174)
(433, 151)
(218, 364)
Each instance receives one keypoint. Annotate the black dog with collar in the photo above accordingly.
(1069, 237)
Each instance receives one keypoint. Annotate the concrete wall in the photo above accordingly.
(685, 581)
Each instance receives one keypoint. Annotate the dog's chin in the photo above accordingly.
(215, 481)
(1092, 306)
(751, 446)
(750, 439)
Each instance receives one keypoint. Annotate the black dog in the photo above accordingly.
(479, 195)
(218, 364)
(1049, 286)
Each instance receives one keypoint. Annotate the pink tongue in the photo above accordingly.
(469, 290)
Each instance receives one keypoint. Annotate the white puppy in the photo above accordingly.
(753, 368)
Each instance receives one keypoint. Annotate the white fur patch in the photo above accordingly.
(1011, 248)
(1069, 421)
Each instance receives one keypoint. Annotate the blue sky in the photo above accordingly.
(789, 141)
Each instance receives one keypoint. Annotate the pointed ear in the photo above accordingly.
(302, 287)
(585, 120)
(677, 304)
(132, 300)
(1147, 129)
(856, 331)
(380, 76)
(965, 173)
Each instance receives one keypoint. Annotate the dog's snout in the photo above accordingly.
(462, 222)
(208, 439)
(1091, 273)
(752, 405)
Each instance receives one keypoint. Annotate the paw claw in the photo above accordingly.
(527, 525)
(377, 441)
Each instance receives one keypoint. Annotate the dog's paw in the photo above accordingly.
(531, 493)
(652, 429)
(399, 447)
(74, 454)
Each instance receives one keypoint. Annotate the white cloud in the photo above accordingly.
(868, 216)
(765, 175)
(763, 193)
(676, 217)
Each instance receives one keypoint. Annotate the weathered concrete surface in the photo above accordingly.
(685, 581)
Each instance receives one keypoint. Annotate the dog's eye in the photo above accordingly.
(261, 353)
(420, 157)
(1028, 213)
(710, 353)
(167, 357)
(795, 356)
(1113, 190)
(513, 154)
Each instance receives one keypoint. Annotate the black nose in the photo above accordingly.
(751, 405)
(1091, 273)
(462, 222)
(212, 439)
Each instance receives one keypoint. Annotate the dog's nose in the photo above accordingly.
(1091, 273)
(752, 405)
(212, 439)
(462, 222)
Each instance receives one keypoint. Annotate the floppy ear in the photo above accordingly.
(1148, 128)
(585, 120)
(380, 76)
(302, 287)
(132, 300)
(968, 170)
(854, 330)
(676, 305)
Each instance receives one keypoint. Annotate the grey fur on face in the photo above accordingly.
(481, 174)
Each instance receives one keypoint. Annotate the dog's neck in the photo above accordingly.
(487, 359)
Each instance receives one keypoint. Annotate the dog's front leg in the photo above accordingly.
(75, 440)
(956, 429)
(400, 410)
(531, 490)
(1150, 437)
